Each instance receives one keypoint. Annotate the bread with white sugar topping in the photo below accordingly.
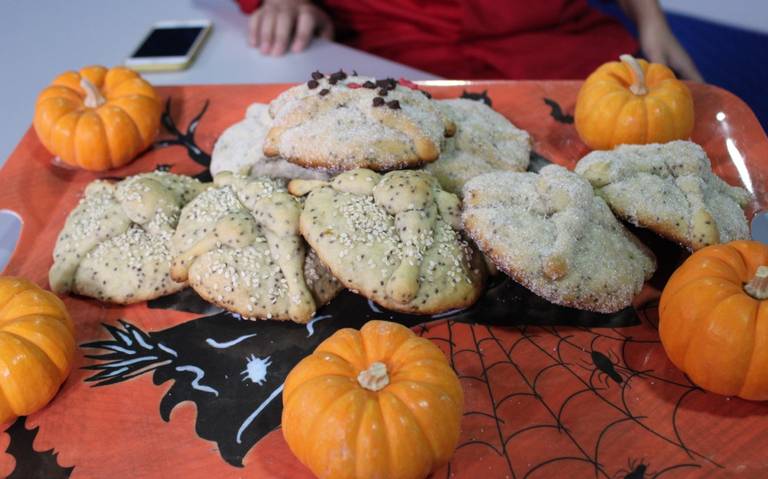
(670, 189)
(551, 233)
(239, 150)
(340, 122)
(484, 141)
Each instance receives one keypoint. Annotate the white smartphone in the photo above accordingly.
(170, 45)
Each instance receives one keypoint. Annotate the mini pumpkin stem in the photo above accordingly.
(638, 86)
(93, 97)
(758, 286)
(374, 378)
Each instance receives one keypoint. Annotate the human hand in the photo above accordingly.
(280, 23)
(656, 39)
(660, 45)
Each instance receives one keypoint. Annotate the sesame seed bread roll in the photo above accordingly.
(670, 189)
(394, 239)
(553, 235)
(238, 246)
(115, 245)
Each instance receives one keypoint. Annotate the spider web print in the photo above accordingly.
(544, 401)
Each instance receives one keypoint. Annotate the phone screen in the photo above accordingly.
(168, 42)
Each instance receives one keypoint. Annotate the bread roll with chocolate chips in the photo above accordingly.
(339, 122)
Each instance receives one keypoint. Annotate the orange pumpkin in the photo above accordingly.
(713, 319)
(97, 118)
(37, 344)
(633, 102)
(380, 402)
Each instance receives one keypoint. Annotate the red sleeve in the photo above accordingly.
(248, 6)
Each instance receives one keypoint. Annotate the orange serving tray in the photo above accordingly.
(175, 389)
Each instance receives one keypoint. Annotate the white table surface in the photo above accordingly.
(43, 38)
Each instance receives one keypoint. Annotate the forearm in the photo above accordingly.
(643, 12)
(657, 41)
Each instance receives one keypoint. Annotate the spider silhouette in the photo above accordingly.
(607, 368)
(636, 469)
(639, 469)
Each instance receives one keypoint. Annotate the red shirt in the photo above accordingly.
(475, 39)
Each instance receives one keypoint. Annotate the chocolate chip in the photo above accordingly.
(394, 104)
(383, 92)
(354, 73)
(378, 101)
(316, 75)
(312, 84)
(426, 94)
(332, 81)
(369, 84)
(339, 75)
(388, 83)
(324, 92)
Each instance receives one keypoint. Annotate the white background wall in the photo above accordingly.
(750, 14)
